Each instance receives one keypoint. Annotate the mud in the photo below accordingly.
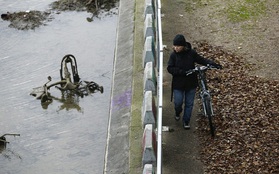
(26, 20)
(91, 6)
(29, 20)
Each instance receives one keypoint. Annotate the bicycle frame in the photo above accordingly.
(3, 140)
(204, 93)
(64, 69)
(68, 82)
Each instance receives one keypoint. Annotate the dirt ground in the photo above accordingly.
(256, 39)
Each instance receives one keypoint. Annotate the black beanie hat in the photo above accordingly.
(179, 40)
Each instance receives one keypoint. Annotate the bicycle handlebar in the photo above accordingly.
(200, 68)
(10, 135)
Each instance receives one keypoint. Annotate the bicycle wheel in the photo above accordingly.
(208, 108)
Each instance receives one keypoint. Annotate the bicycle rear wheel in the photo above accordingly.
(209, 113)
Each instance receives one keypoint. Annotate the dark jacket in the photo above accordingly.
(181, 62)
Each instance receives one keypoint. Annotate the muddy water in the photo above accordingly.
(67, 136)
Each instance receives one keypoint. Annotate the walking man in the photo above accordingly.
(182, 59)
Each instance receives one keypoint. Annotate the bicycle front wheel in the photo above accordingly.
(209, 113)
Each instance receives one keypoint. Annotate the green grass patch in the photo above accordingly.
(243, 10)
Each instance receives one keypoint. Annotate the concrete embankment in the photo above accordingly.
(117, 151)
(126, 126)
(132, 115)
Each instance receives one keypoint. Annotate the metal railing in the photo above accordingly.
(160, 87)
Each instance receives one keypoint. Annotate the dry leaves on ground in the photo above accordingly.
(246, 118)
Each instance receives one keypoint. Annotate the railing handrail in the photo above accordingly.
(160, 89)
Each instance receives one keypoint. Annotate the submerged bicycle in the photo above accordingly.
(68, 81)
(205, 94)
(3, 140)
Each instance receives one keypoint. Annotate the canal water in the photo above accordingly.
(69, 135)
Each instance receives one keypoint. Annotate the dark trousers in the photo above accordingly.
(189, 97)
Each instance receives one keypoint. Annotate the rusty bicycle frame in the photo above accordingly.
(69, 81)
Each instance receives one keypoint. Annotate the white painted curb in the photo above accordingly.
(149, 26)
(148, 169)
(149, 51)
(149, 146)
(148, 109)
(149, 79)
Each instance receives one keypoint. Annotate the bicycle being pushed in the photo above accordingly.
(205, 94)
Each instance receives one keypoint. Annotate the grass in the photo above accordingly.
(235, 10)
(243, 10)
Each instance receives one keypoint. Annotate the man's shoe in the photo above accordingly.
(177, 118)
(186, 125)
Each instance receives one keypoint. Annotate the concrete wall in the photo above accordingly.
(117, 150)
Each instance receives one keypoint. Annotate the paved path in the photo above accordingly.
(180, 147)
